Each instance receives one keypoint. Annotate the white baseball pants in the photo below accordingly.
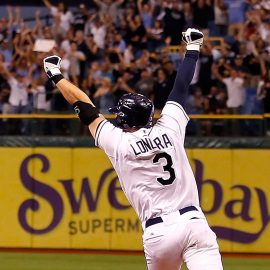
(181, 238)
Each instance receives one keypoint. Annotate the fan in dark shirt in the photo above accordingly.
(161, 90)
(174, 22)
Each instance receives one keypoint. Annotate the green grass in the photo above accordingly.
(26, 261)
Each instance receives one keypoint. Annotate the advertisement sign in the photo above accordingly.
(71, 198)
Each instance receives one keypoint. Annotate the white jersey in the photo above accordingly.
(152, 164)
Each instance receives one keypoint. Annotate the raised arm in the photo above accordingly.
(18, 17)
(38, 24)
(48, 4)
(194, 39)
(10, 18)
(82, 104)
(216, 73)
(139, 6)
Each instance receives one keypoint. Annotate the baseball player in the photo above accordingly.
(152, 166)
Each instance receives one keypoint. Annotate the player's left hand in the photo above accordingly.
(193, 38)
(52, 65)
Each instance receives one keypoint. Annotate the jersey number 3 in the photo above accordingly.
(167, 168)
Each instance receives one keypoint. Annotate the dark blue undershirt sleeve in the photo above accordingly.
(183, 78)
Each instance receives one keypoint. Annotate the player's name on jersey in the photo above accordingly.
(148, 144)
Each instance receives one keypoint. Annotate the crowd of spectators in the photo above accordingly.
(121, 46)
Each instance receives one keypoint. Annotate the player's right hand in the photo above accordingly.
(52, 65)
(193, 38)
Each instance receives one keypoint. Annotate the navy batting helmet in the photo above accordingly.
(133, 110)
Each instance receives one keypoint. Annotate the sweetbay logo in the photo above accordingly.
(240, 208)
(86, 194)
(235, 208)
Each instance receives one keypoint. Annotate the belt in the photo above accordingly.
(153, 221)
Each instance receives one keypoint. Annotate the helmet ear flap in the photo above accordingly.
(113, 109)
(121, 122)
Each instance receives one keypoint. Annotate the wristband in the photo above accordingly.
(193, 47)
(57, 78)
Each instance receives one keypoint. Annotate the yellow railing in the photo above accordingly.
(110, 116)
(217, 43)
(38, 116)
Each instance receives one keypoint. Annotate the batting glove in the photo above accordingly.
(52, 65)
(193, 38)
